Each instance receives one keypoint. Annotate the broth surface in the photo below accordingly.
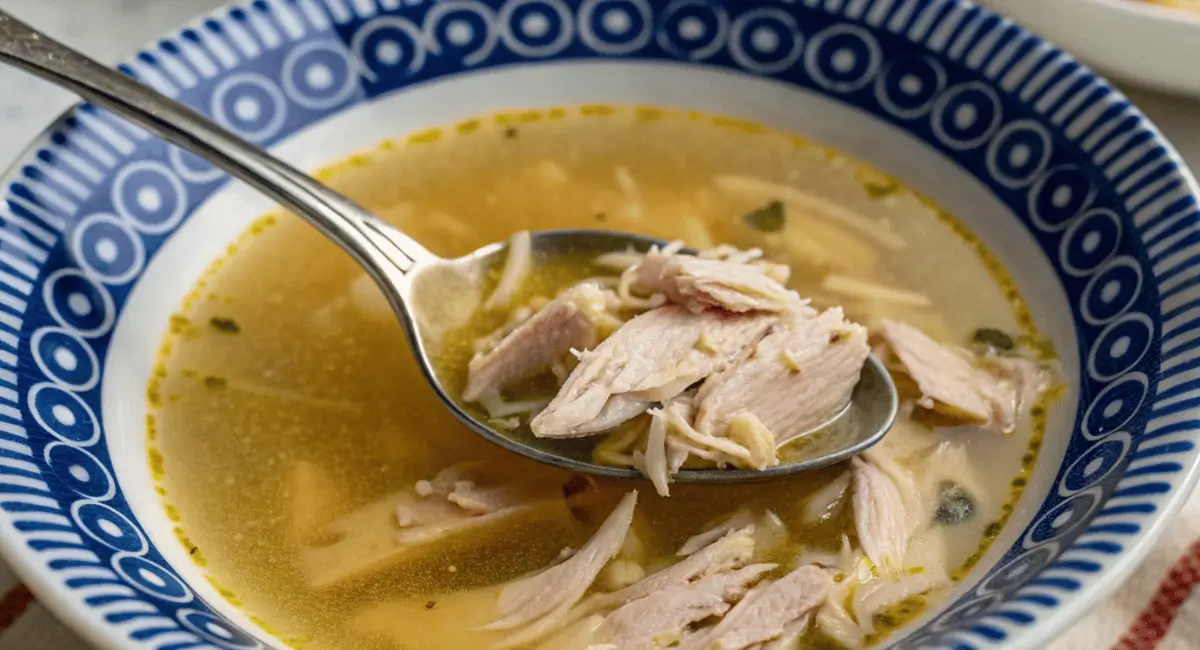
(279, 405)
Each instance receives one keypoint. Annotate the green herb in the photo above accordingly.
(510, 132)
(881, 190)
(226, 325)
(215, 383)
(954, 505)
(769, 218)
(994, 339)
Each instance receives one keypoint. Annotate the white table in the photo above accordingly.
(108, 29)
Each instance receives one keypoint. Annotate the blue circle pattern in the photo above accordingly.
(150, 578)
(78, 302)
(1079, 167)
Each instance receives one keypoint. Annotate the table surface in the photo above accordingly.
(109, 29)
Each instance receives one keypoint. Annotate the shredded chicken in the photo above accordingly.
(517, 266)
(888, 511)
(768, 611)
(827, 501)
(560, 587)
(654, 460)
(567, 322)
(953, 384)
(801, 375)
(736, 521)
(848, 614)
(652, 358)
(663, 617)
(700, 283)
(731, 551)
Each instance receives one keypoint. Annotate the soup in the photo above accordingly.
(316, 478)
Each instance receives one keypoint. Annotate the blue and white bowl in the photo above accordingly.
(105, 229)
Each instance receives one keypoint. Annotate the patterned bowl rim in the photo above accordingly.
(1068, 96)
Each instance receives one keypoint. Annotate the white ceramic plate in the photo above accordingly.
(1138, 42)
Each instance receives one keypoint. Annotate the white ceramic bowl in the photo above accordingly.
(103, 230)
(1137, 42)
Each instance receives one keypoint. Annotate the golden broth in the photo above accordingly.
(278, 406)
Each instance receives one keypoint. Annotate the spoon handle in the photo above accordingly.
(385, 252)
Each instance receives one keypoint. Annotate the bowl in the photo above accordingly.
(105, 229)
(1136, 41)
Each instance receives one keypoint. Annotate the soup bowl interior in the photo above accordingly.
(107, 229)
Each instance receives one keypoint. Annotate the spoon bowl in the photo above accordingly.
(421, 288)
(428, 291)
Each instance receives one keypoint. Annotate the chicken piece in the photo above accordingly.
(717, 529)
(654, 459)
(848, 614)
(748, 431)
(880, 593)
(663, 617)
(677, 456)
(661, 460)
(518, 264)
(1019, 384)
(618, 410)
(749, 445)
(948, 381)
(767, 611)
(800, 376)
(880, 515)
(483, 500)
(652, 358)
(444, 482)
(621, 573)
(373, 537)
(954, 385)
(827, 501)
(698, 283)
(730, 552)
(834, 618)
(558, 588)
(567, 322)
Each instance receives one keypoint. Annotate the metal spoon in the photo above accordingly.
(414, 280)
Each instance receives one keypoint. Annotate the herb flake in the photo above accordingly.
(769, 218)
(954, 505)
(992, 338)
(225, 325)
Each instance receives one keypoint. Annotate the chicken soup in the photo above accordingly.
(325, 490)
